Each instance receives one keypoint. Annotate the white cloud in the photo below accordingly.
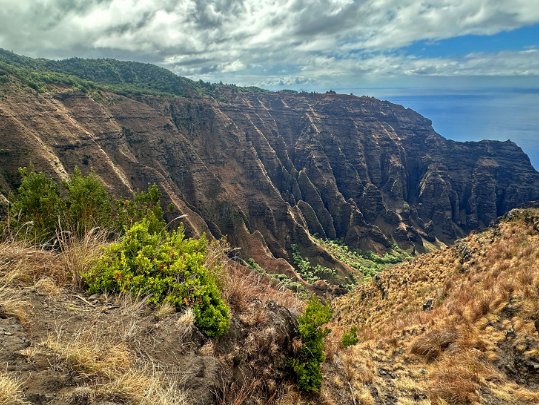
(269, 40)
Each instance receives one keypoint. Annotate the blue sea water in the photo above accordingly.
(473, 116)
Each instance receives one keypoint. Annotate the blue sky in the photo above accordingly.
(518, 39)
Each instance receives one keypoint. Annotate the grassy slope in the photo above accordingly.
(478, 343)
(62, 346)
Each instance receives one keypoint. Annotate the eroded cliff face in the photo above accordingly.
(269, 169)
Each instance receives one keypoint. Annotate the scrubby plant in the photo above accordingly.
(165, 267)
(309, 272)
(88, 203)
(306, 363)
(350, 338)
(144, 205)
(36, 210)
(41, 208)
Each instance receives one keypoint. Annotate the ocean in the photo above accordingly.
(473, 116)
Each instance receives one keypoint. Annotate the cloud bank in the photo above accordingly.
(272, 42)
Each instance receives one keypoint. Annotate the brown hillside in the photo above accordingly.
(457, 326)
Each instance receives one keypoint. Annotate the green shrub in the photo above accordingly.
(36, 210)
(350, 338)
(165, 267)
(144, 205)
(88, 203)
(309, 272)
(306, 364)
(41, 207)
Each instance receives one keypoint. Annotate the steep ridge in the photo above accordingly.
(269, 169)
(456, 326)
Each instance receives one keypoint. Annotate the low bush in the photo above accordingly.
(88, 203)
(350, 338)
(306, 364)
(143, 205)
(166, 267)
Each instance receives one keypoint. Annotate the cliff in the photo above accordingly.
(265, 169)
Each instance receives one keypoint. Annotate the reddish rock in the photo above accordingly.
(267, 169)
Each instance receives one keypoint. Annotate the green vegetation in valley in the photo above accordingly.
(309, 272)
(306, 363)
(366, 263)
(281, 279)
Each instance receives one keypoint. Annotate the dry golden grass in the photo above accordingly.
(22, 265)
(432, 344)
(89, 355)
(165, 310)
(108, 368)
(457, 377)
(142, 387)
(10, 391)
(241, 285)
(485, 295)
(48, 286)
(11, 304)
(78, 254)
(291, 396)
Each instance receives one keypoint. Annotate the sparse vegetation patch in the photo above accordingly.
(306, 364)
(366, 263)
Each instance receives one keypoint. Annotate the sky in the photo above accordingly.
(385, 48)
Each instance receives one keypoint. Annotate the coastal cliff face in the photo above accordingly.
(267, 170)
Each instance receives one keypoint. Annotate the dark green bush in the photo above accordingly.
(37, 208)
(306, 364)
(42, 207)
(144, 205)
(165, 267)
(88, 203)
(350, 338)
